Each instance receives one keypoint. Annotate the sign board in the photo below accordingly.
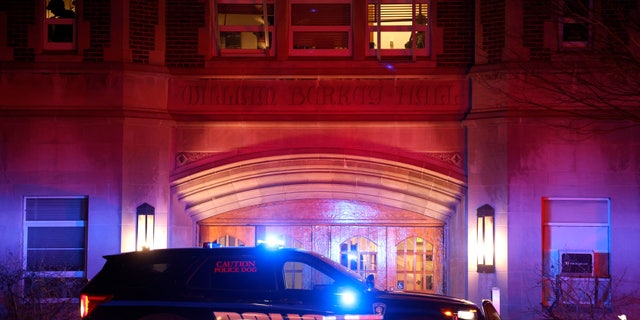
(576, 263)
(386, 99)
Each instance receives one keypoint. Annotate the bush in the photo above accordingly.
(36, 294)
(584, 298)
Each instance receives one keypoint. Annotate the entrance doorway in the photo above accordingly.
(372, 214)
(399, 257)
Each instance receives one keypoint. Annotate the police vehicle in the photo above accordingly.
(257, 283)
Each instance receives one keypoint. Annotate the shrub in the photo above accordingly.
(37, 294)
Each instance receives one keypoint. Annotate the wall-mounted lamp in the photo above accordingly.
(145, 228)
(485, 240)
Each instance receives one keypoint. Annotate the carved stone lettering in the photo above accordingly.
(413, 96)
(228, 95)
(439, 95)
(339, 95)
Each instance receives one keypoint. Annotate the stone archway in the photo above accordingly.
(253, 194)
(263, 180)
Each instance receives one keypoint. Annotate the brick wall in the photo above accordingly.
(143, 18)
(20, 17)
(617, 16)
(535, 14)
(492, 18)
(184, 18)
(456, 18)
(98, 14)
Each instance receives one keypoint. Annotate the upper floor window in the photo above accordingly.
(398, 27)
(60, 25)
(320, 27)
(245, 27)
(575, 25)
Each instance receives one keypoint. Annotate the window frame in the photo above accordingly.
(575, 19)
(421, 262)
(361, 250)
(219, 29)
(562, 219)
(28, 224)
(339, 52)
(49, 20)
(301, 275)
(376, 29)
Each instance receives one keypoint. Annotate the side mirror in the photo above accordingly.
(371, 282)
(490, 312)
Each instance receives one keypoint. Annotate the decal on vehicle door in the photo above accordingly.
(234, 266)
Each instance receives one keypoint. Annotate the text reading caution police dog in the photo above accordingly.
(235, 266)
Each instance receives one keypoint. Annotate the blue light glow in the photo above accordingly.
(272, 241)
(347, 298)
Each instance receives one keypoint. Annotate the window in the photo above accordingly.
(398, 27)
(360, 255)
(575, 26)
(245, 27)
(414, 265)
(55, 240)
(60, 25)
(301, 276)
(576, 244)
(320, 28)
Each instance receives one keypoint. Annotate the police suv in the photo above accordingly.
(257, 283)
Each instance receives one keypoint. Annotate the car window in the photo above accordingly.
(147, 274)
(301, 276)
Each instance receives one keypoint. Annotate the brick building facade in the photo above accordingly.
(386, 130)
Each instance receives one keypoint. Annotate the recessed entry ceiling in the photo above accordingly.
(265, 180)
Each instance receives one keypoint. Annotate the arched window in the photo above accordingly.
(414, 265)
(360, 255)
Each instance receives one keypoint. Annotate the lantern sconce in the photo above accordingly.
(145, 227)
(486, 239)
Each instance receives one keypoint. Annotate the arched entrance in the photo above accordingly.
(374, 215)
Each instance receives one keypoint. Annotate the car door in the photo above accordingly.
(309, 286)
(234, 282)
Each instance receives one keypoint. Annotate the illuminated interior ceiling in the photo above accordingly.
(259, 181)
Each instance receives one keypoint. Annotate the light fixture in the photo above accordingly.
(145, 227)
(485, 240)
